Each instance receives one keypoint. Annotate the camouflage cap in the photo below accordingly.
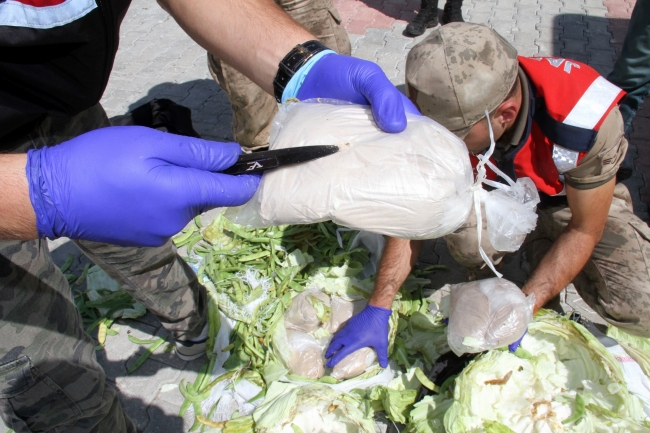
(459, 71)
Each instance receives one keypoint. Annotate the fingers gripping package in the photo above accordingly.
(415, 184)
(309, 323)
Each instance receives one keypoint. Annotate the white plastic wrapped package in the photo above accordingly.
(342, 310)
(354, 364)
(309, 322)
(307, 355)
(487, 314)
(414, 184)
(301, 314)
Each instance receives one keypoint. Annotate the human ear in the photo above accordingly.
(507, 113)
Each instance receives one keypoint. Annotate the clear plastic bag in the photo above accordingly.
(301, 314)
(510, 209)
(309, 322)
(487, 314)
(307, 357)
(510, 212)
(354, 364)
(414, 184)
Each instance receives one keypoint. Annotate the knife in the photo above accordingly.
(269, 159)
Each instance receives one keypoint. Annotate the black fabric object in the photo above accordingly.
(63, 69)
(447, 365)
(161, 114)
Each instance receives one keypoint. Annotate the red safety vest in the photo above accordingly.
(570, 101)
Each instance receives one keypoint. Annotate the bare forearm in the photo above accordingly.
(571, 250)
(17, 218)
(251, 35)
(561, 264)
(396, 262)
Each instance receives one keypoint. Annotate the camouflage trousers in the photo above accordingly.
(253, 108)
(615, 282)
(49, 376)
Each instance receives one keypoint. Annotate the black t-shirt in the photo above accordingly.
(50, 67)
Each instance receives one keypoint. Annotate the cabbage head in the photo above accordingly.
(562, 379)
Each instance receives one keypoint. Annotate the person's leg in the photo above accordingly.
(254, 109)
(426, 18)
(159, 279)
(452, 12)
(322, 19)
(49, 376)
(632, 68)
(615, 282)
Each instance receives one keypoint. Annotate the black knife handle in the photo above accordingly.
(254, 166)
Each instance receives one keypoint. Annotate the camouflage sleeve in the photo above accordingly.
(600, 165)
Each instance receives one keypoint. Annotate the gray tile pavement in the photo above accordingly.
(157, 60)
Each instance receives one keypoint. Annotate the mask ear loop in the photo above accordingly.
(477, 190)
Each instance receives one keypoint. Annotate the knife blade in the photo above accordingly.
(270, 159)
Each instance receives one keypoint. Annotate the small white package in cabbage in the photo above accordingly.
(487, 314)
(414, 184)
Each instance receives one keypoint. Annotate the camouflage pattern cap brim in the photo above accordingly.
(459, 71)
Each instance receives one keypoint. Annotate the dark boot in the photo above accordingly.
(452, 13)
(427, 18)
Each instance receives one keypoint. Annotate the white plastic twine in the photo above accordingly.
(477, 189)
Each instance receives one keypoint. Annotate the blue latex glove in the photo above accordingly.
(359, 81)
(369, 328)
(513, 346)
(131, 185)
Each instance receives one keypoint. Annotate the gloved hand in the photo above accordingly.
(369, 328)
(359, 81)
(512, 347)
(131, 185)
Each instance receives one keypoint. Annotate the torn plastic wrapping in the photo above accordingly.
(487, 314)
(342, 310)
(414, 184)
(300, 341)
(510, 213)
(302, 315)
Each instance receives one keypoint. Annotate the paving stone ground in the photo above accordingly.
(157, 60)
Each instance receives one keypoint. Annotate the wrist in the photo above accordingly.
(379, 309)
(17, 219)
(294, 67)
(39, 194)
(540, 299)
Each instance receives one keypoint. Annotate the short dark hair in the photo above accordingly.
(513, 90)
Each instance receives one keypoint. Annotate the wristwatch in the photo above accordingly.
(292, 62)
